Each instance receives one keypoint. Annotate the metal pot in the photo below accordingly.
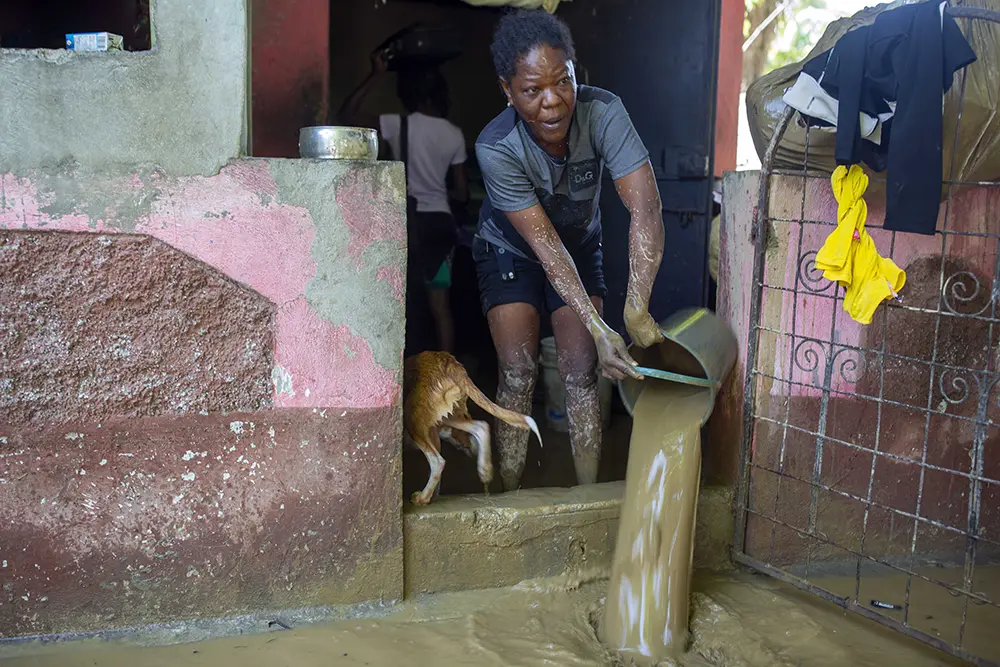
(699, 350)
(327, 142)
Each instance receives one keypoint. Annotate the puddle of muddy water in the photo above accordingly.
(931, 608)
(737, 621)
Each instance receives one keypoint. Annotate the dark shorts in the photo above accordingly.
(506, 278)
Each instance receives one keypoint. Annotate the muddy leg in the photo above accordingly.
(514, 328)
(577, 358)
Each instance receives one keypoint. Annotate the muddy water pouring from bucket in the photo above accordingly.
(648, 596)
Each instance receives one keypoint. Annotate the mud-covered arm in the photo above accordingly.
(627, 161)
(534, 226)
(641, 197)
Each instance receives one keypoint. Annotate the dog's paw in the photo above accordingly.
(420, 498)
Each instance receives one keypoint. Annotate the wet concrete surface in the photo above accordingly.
(737, 620)
(466, 542)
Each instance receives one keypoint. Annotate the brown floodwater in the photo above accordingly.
(931, 608)
(647, 603)
(737, 620)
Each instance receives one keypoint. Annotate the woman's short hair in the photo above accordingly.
(520, 31)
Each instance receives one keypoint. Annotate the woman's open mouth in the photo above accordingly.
(552, 124)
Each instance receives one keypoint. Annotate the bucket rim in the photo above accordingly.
(679, 322)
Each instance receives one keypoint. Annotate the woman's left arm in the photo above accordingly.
(627, 161)
(641, 197)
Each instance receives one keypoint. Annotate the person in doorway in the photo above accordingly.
(434, 154)
(538, 244)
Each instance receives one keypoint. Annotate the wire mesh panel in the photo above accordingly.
(871, 453)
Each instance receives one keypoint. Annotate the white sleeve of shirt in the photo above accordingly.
(388, 125)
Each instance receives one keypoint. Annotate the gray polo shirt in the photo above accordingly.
(519, 174)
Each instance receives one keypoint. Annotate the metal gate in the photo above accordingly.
(870, 462)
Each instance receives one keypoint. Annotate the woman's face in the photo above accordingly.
(543, 92)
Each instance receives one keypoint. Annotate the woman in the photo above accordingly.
(434, 152)
(538, 245)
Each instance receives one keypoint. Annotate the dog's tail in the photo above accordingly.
(515, 419)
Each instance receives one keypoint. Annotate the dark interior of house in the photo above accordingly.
(44, 24)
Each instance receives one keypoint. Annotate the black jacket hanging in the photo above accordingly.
(898, 68)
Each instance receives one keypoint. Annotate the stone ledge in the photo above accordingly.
(475, 542)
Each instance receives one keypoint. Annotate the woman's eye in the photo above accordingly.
(531, 91)
(565, 80)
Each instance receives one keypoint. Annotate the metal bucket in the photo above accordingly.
(699, 350)
(328, 142)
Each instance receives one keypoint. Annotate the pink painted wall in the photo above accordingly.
(724, 428)
(232, 479)
(235, 223)
(971, 213)
(930, 391)
(816, 317)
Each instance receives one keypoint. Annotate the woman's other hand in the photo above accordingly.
(642, 327)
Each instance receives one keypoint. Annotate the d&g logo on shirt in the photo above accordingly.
(583, 175)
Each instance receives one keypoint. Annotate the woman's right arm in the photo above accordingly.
(534, 226)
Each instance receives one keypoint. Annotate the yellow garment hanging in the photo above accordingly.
(849, 255)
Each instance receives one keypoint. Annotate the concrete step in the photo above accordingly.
(475, 542)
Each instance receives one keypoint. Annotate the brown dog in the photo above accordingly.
(436, 388)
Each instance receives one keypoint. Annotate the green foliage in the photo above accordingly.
(797, 29)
